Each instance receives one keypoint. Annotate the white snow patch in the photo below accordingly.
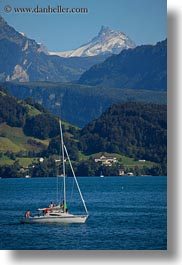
(107, 41)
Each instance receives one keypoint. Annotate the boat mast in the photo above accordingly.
(63, 162)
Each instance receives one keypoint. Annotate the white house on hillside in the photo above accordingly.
(107, 161)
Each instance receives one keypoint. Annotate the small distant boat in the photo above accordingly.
(59, 213)
(27, 176)
(101, 175)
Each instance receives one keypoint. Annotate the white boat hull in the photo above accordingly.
(61, 219)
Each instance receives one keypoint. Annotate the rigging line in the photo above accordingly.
(64, 173)
(61, 191)
(60, 183)
(71, 195)
(57, 185)
(76, 180)
(58, 191)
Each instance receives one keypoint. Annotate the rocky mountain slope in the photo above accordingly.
(108, 41)
(23, 59)
(144, 67)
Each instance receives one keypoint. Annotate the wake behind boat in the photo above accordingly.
(59, 213)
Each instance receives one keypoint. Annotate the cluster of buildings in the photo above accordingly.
(109, 161)
(106, 161)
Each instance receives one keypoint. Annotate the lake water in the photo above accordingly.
(125, 213)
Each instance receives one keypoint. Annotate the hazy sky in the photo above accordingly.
(144, 21)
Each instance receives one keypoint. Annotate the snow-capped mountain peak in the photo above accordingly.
(106, 42)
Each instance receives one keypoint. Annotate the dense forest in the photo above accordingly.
(16, 113)
(11, 111)
(134, 129)
(144, 67)
(129, 130)
(66, 99)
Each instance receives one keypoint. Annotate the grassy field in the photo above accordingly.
(23, 161)
(32, 111)
(4, 160)
(124, 160)
(7, 145)
(14, 140)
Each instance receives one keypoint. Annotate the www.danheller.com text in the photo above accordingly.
(49, 9)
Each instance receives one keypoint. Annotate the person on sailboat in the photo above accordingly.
(62, 204)
(64, 207)
(27, 214)
(46, 210)
(51, 205)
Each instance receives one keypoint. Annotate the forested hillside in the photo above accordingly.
(80, 104)
(144, 67)
(41, 124)
(26, 134)
(129, 131)
(133, 129)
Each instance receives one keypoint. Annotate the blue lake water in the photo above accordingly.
(125, 213)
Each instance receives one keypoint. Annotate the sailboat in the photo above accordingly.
(101, 175)
(59, 213)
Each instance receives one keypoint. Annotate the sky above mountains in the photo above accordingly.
(144, 21)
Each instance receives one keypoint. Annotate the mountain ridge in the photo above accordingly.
(79, 104)
(107, 42)
(26, 60)
(144, 67)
